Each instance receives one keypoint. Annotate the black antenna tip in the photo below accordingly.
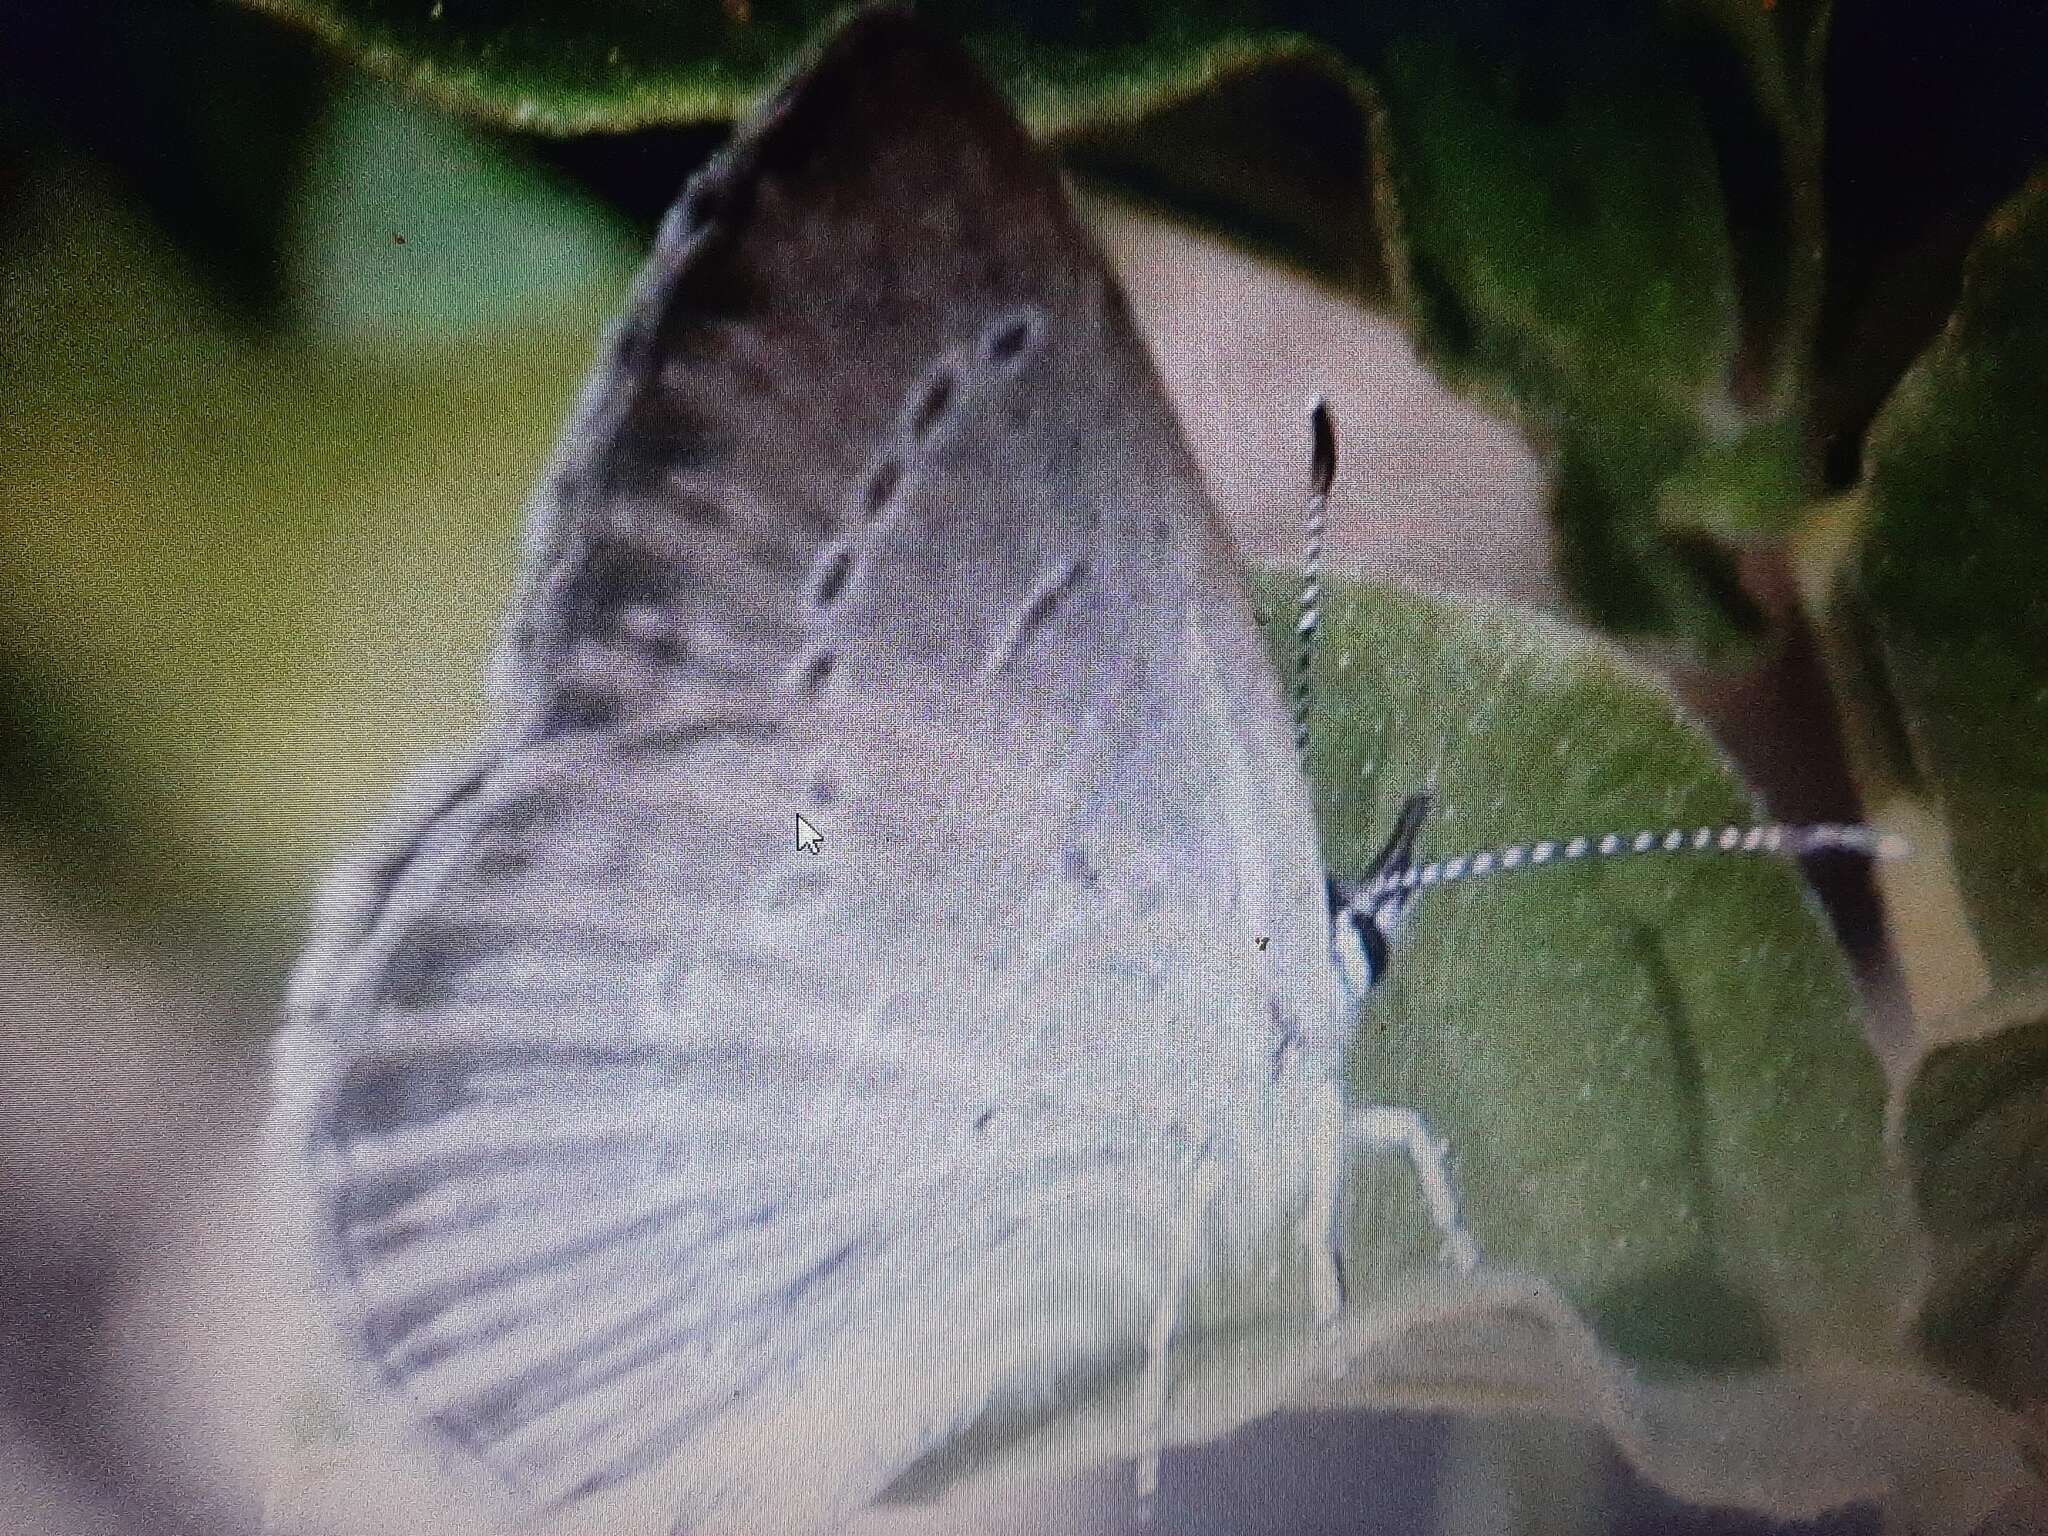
(1323, 457)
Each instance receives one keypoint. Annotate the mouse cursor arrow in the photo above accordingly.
(808, 838)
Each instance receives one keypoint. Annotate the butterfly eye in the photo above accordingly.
(1358, 947)
(634, 346)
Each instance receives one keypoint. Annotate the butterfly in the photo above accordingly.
(653, 1166)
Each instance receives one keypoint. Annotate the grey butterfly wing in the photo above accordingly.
(645, 1152)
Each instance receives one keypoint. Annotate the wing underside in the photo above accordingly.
(643, 1148)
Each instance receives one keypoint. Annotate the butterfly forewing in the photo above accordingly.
(643, 1148)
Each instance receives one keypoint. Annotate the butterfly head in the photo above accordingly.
(1366, 915)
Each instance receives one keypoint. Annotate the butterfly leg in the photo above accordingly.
(1372, 1128)
(1166, 1319)
(1324, 1249)
(1391, 1127)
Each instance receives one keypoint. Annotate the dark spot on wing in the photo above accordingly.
(700, 207)
(433, 960)
(674, 740)
(378, 1098)
(938, 394)
(777, 556)
(1111, 303)
(696, 511)
(663, 434)
(633, 347)
(1042, 608)
(1286, 1035)
(832, 577)
(614, 587)
(369, 1204)
(713, 291)
(823, 1270)
(880, 487)
(500, 859)
(383, 873)
(581, 706)
(818, 670)
(385, 1330)
(1007, 339)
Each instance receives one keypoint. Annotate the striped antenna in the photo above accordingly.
(1309, 610)
(1771, 837)
(1774, 837)
(1365, 916)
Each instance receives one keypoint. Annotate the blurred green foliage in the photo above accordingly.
(1570, 251)
(1972, 1127)
(1951, 577)
(213, 536)
(199, 114)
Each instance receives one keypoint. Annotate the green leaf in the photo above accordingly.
(1223, 113)
(1972, 1126)
(1570, 179)
(556, 69)
(203, 111)
(409, 233)
(1974, 1117)
(1930, 127)
(1949, 580)
(574, 69)
(1654, 1070)
(1600, 217)
(1281, 151)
